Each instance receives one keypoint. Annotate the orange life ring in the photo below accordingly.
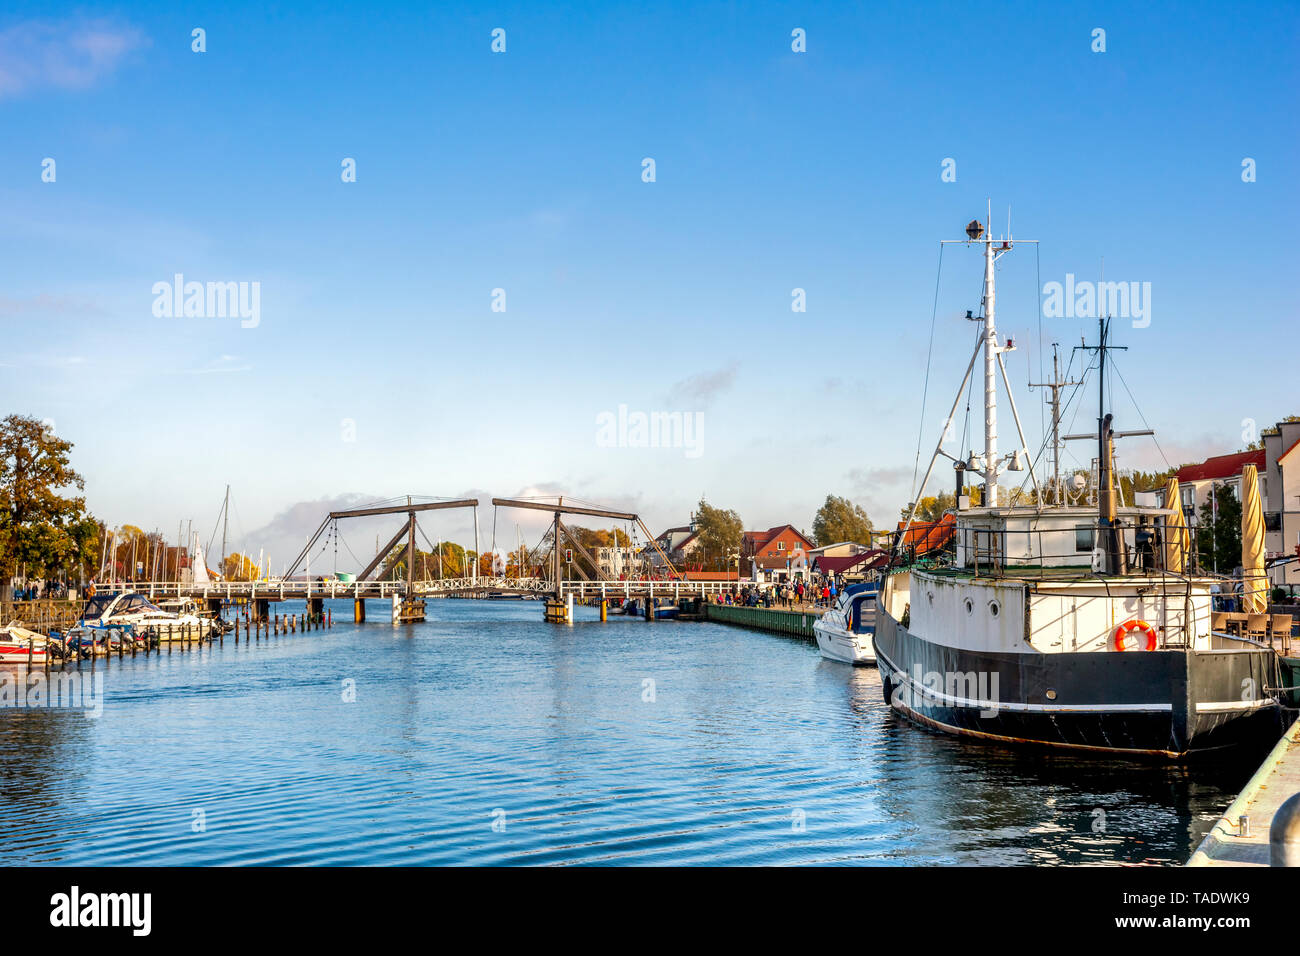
(1128, 627)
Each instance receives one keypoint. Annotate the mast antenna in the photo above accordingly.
(1056, 384)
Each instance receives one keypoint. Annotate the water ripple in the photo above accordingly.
(487, 737)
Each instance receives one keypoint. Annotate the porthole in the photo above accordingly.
(994, 608)
(970, 606)
(1051, 694)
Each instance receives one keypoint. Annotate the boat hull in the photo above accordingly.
(846, 647)
(1169, 704)
(20, 654)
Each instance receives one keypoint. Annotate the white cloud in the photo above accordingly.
(68, 55)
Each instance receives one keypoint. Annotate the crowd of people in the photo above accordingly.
(38, 590)
(817, 592)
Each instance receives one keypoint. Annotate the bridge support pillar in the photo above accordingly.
(316, 610)
(604, 610)
(359, 610)
(214, 607)
(260, 609)
(649, 608)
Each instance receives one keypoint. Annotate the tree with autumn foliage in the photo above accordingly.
(43, 530)
(239, 567)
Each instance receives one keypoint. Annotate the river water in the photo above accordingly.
(485, 736)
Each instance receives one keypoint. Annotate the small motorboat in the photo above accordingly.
(101, 640)
(18, 645)
(845, 632)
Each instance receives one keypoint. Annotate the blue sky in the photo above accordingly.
(522, 171)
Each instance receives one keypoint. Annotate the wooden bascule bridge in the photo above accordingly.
(552, 576)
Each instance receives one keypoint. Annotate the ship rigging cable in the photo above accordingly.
(929, 355)
(1115, 368)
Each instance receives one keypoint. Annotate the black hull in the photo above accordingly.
(1169, 704)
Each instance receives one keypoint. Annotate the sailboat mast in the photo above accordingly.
(990, 375)
(225, 524)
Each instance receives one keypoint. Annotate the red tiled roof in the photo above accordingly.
(709, 576)
(860, 562)
(1222, 466)
(759, 539)
(926, 536)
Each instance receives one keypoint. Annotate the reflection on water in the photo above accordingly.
(485, 736)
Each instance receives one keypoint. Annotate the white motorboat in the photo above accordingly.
(144, 618)
(845, 632)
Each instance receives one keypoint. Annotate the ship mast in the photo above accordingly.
(987, 342)
(1056, 384)
(990, 373)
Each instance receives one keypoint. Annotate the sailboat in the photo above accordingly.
(1056, 623)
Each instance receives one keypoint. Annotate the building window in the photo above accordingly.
(1085, 537)
(780, 546)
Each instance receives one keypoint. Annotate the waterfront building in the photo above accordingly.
(778, 554)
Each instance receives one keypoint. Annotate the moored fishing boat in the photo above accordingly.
(1060, 617)
(844, 633)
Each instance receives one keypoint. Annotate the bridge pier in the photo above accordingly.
(260, 609)
(214, 607)
(315, 610)
(556, 611)
(359, 610)
(407, 610)
(604, 610)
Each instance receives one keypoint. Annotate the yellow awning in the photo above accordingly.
(1177, 540)
(1254, 597)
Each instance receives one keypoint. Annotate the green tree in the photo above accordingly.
(1218, 536)
(1136, 482)
(839, 519)
(41, 530)
(720, 532)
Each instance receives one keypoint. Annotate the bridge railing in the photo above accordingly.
(333, 589)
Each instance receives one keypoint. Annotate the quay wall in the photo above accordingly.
(794, 623)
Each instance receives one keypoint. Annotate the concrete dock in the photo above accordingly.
(1277, 779)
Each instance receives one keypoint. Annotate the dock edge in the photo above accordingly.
(1220, 830)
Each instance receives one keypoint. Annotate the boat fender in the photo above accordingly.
(1131, 625)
